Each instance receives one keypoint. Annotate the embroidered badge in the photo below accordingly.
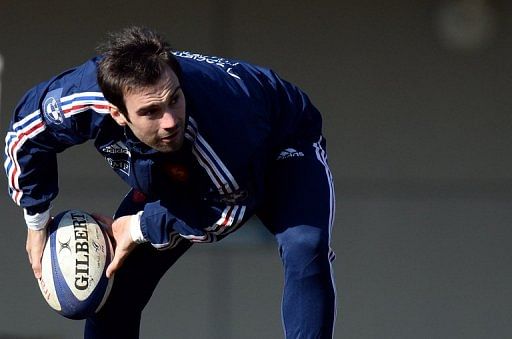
(51, 107)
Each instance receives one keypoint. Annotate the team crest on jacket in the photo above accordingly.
(177, 172)
(51, 107)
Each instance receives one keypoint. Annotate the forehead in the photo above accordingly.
(167, 82)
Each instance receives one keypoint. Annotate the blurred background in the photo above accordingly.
(416, 103)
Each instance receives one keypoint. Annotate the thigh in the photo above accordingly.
(137, 278)
(133, 286)
(299, 189)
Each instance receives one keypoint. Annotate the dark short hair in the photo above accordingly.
(132, 58)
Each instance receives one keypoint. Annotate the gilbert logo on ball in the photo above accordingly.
(75, 259)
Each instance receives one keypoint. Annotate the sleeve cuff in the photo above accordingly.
(135, 230)
(36, 221)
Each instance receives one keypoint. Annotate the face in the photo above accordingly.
(156, 113)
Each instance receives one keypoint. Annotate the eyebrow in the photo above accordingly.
(145, 108)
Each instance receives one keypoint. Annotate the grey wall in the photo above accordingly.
(419, 138)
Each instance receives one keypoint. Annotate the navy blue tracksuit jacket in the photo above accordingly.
(239, 117)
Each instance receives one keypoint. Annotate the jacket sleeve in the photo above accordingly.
(66, 110)
(163, 225)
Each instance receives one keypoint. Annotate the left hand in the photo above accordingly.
(119, 230)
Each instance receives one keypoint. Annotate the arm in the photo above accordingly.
(52, 116)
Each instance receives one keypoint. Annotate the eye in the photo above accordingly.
(174, 100)
(151, 111)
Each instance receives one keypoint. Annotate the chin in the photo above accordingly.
(168, 148)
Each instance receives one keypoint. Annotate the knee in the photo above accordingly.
(304, 248)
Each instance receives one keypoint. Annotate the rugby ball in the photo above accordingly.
(75, 259)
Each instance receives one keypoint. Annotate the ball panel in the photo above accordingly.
(82, 252)
(110, 282)
(46, 283)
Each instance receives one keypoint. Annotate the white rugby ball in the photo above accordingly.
(75, 258)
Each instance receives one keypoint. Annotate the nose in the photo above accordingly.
(168, 120)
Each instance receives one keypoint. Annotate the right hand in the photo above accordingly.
(119, 230)
(35, 247)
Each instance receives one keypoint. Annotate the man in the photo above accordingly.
(204, 143)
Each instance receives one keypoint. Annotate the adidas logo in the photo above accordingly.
(289, 153)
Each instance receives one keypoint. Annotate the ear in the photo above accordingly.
(117, 116)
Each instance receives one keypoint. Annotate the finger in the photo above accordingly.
(112, 268)
(35, 263)
(36, 268)
(34, 258)
(115, 264)
(29, 257)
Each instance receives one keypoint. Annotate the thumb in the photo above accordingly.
(114, 265)
(124, 243)
(120, 255)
